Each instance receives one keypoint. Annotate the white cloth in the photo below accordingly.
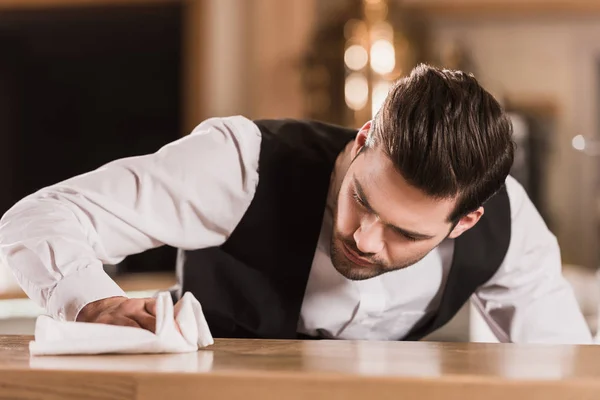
(180, 328)
(193, 192)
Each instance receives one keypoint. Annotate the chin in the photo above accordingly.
(352, 271)
(356, 274)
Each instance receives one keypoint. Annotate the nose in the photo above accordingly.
(369, 235)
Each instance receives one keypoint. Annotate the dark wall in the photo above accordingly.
(81, 87)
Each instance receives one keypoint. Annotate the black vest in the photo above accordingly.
(253, 285)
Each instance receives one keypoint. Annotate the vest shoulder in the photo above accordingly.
(303, 138)
(288, 129)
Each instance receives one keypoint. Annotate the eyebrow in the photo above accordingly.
(415, 235)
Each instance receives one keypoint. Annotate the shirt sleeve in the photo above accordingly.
(190, 194)
(528, 300)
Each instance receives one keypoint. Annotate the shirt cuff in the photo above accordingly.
(78, 289)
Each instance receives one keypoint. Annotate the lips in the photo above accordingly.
(355, 258)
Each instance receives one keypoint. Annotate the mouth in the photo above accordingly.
(355, 258)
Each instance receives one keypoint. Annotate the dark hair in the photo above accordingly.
(446, 135)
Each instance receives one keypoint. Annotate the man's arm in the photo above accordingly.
(528, 300)
(190, 194)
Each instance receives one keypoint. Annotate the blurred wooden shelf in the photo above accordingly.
(528, 8)
(129, 283)
(33, 4)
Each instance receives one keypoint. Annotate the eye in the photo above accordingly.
(410, 238)
(358, 199)
(405, 236)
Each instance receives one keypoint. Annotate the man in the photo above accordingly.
(301, 229)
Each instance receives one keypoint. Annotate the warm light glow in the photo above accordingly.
(356, 57)
(578, 142)
(380, 92)
(356, 91)
(383, 57)
(381, 30)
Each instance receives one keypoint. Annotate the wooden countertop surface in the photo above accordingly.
(280, 369)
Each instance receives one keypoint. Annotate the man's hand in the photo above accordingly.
(139, 313)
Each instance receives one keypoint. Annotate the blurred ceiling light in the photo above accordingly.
(356, 57)
(578, 142)
(375, 10)
(590, 146)
(355, 28)
(383, 58)
(381, 30)
(380, 92)
(356, 91)
(370, 42)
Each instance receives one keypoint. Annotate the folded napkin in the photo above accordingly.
(179, 329)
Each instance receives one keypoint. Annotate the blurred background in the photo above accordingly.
(83, 82)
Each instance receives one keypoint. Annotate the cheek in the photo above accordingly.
(348, 217)
(406, 250)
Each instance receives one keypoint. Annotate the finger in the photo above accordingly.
(145, 320)
(117, 320)
(150, 306)
(124, 321)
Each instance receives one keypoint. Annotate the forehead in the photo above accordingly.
(393, 197)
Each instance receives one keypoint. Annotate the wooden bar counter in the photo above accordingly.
(279, 369)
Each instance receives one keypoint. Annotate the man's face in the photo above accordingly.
(381, 222)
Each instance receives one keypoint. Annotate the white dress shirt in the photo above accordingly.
(193, 192)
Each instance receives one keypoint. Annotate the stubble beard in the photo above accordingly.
(355, 272)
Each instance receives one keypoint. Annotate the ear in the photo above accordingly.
(466, 223)
(361, 139)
